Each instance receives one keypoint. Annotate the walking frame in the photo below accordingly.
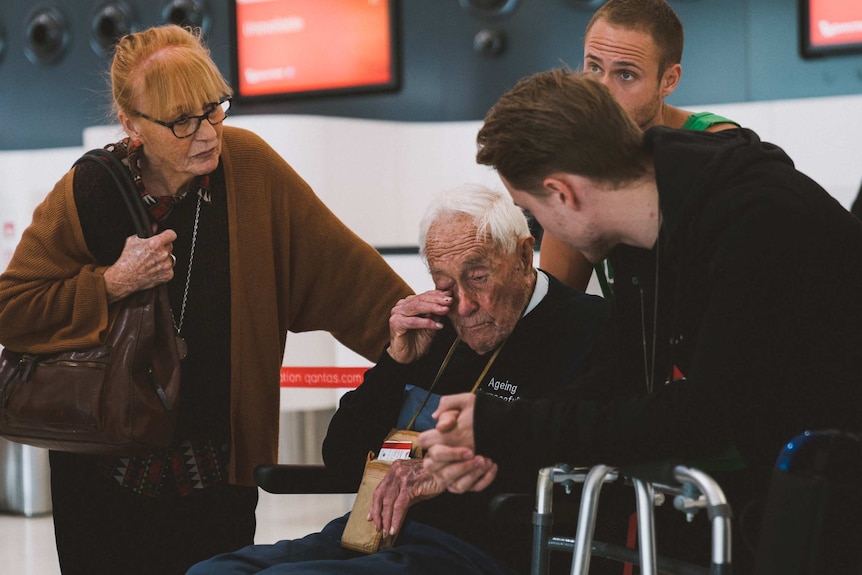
(691, 489)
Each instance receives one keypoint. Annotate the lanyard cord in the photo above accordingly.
(440, 372)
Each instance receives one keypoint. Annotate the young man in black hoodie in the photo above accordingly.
(737, 321)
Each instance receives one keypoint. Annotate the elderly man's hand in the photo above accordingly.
(414, 322)
(450, 456)
(404, 484)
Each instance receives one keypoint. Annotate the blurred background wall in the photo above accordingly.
(736, 51)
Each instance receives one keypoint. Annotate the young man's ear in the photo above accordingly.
(561, 189)
(670, 80)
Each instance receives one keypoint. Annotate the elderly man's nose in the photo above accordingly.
(466, 302)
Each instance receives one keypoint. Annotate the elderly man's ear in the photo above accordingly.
(525, 254)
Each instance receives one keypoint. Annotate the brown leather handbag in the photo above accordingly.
(119, 398)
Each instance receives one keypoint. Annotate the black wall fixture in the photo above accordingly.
(111, 20)
(186, 13)
(46, 35)
(489, 42)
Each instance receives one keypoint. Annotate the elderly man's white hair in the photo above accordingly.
(494, 214)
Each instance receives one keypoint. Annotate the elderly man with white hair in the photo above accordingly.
(493, 325)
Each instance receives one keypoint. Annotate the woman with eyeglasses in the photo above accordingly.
(248, 253)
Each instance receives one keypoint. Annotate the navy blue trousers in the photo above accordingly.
(419, 550)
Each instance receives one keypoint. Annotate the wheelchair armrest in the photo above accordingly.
(512, 508)
(300, 479)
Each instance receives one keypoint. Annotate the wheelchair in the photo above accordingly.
(316, 479)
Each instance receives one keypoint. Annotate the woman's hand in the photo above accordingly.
(144, 263)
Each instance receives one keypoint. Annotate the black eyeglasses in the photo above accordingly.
(187, 126)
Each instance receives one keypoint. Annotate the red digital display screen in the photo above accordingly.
(831, 26)
(308, 47)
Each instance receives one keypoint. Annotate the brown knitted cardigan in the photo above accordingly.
(293, 267)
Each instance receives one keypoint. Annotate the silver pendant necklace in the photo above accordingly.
(182, 347)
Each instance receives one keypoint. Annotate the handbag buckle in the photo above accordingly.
(23, 371)
(25, 366)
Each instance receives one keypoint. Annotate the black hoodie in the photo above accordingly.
(759, 333)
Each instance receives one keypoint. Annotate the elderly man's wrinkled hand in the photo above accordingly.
(414, 322)
(404, 484)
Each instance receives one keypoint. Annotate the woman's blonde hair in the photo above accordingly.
(172, 66)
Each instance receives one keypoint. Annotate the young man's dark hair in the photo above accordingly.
(525, 138)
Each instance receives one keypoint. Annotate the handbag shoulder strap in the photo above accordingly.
(123, 179)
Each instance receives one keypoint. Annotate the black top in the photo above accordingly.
(759, 308)
(106, 223)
